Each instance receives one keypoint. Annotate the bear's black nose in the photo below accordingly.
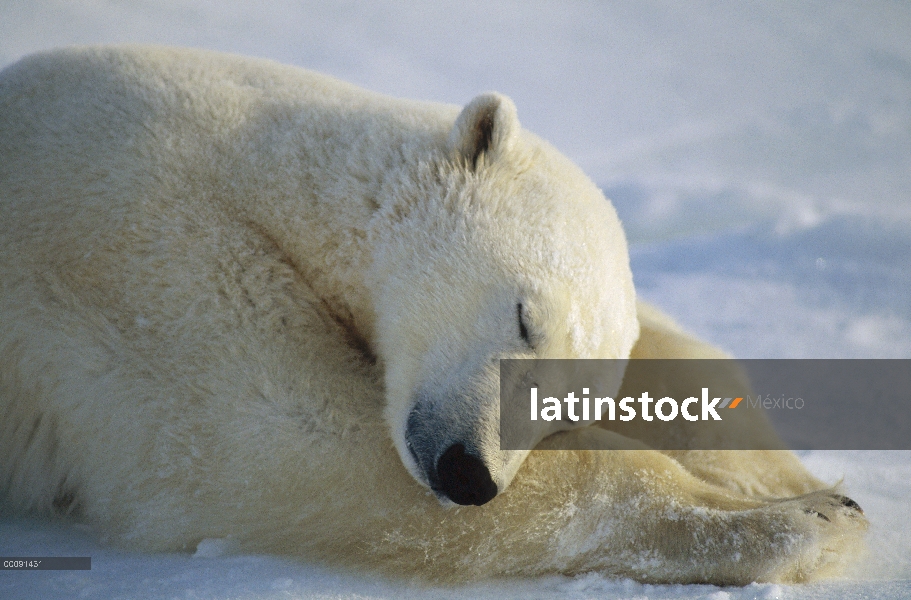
(464, 478)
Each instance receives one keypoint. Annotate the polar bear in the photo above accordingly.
(241, 300)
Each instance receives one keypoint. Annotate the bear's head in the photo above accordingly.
(496, 246)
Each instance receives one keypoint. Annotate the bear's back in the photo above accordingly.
(93, 137)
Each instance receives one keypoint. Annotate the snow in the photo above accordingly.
(759, 155)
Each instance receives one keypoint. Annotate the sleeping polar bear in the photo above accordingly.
(241, 300)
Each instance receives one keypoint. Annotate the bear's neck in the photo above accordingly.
(336, 172)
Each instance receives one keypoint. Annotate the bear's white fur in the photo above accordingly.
(241, 300)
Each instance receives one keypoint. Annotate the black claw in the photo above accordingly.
(810, 511)
(850, 503)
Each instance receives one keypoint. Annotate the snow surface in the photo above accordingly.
(759, 155)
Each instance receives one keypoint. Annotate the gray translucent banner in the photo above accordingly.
(706, 404)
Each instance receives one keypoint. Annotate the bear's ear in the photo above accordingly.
(487, 126)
